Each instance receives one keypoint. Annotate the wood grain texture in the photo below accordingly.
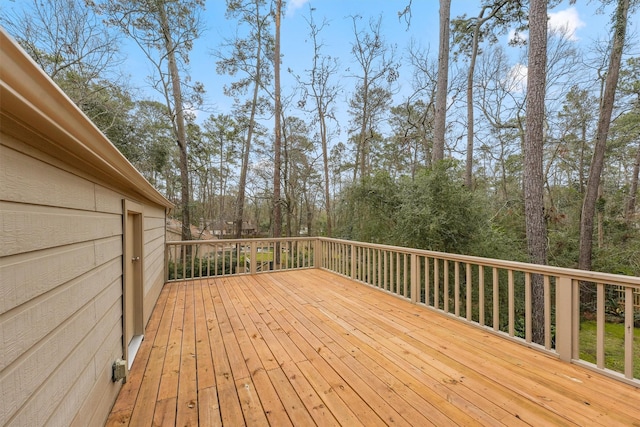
(313, 348)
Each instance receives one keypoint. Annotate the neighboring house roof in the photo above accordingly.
(35, 110)
(174, 226)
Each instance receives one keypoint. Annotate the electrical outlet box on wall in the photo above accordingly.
(119, 371)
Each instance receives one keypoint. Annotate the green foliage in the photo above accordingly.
(366, 212)
(613, 345)
(210, 265)
(434, 211)
(437, 212)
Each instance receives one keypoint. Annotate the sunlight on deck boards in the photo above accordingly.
(309, 347)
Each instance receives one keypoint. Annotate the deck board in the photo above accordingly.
(312, 348)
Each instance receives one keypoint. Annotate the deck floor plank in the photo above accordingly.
(310, 347)
(360, 375)
(227, 396)
(271, 404)
(440, 412)
(187, 404)
(392, 336)
(204, 359)
(533, 378)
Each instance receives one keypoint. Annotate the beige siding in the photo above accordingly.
(154, 235)
(61, 289)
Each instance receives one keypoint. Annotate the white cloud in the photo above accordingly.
(295, 5)
(566, 21)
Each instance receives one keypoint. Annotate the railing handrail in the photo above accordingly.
(253, 239)
(580, 275)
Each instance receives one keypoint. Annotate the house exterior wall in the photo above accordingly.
(61, 249)
(60, 297)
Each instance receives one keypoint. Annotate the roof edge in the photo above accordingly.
(31, 98)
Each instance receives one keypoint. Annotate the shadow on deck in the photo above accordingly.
(310, 347)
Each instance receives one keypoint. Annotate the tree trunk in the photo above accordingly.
(633, 191)
(468, 176)
(600, 215)
(443, 82)
(277, 204)
(362, 146)
(239, 214)
(287, 184)
(325, 162)
(179, 124)
(533, 148)
(604, 122)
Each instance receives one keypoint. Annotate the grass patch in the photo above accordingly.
(613, 346)
(264, 256)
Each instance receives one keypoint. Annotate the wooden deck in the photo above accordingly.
(313, 348)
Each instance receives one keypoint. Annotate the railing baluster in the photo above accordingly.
(496, 300)
(628, 333)
(385, 276)
(512, 308)
(183, 255)
(600, 323)
(481, 318)
(446, 285)
(193, 258)
(224, 260)
(527, 307)
(397, 290)
(426, 281)
(436, 283)
(416, 278)
(469, 293)
(547, 312)
(370, 279)
(208, 260)
(215, 263)
(391, 275)
(456, 288)
(405, 281)
(575, 318)
(374, 268)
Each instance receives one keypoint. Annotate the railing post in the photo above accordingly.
(253, 262)
(166, 262)
(317, 253)
(415, 279)
(564, 318)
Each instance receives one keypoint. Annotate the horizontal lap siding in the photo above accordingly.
(61, 290)
(154, 235)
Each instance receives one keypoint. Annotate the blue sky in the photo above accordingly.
(581, 19)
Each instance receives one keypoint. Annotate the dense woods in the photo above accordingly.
(533, 158)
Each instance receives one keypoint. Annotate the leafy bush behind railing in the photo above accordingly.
(195, 267)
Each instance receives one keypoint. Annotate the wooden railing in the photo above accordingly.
(546, 308)
(210, 258)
